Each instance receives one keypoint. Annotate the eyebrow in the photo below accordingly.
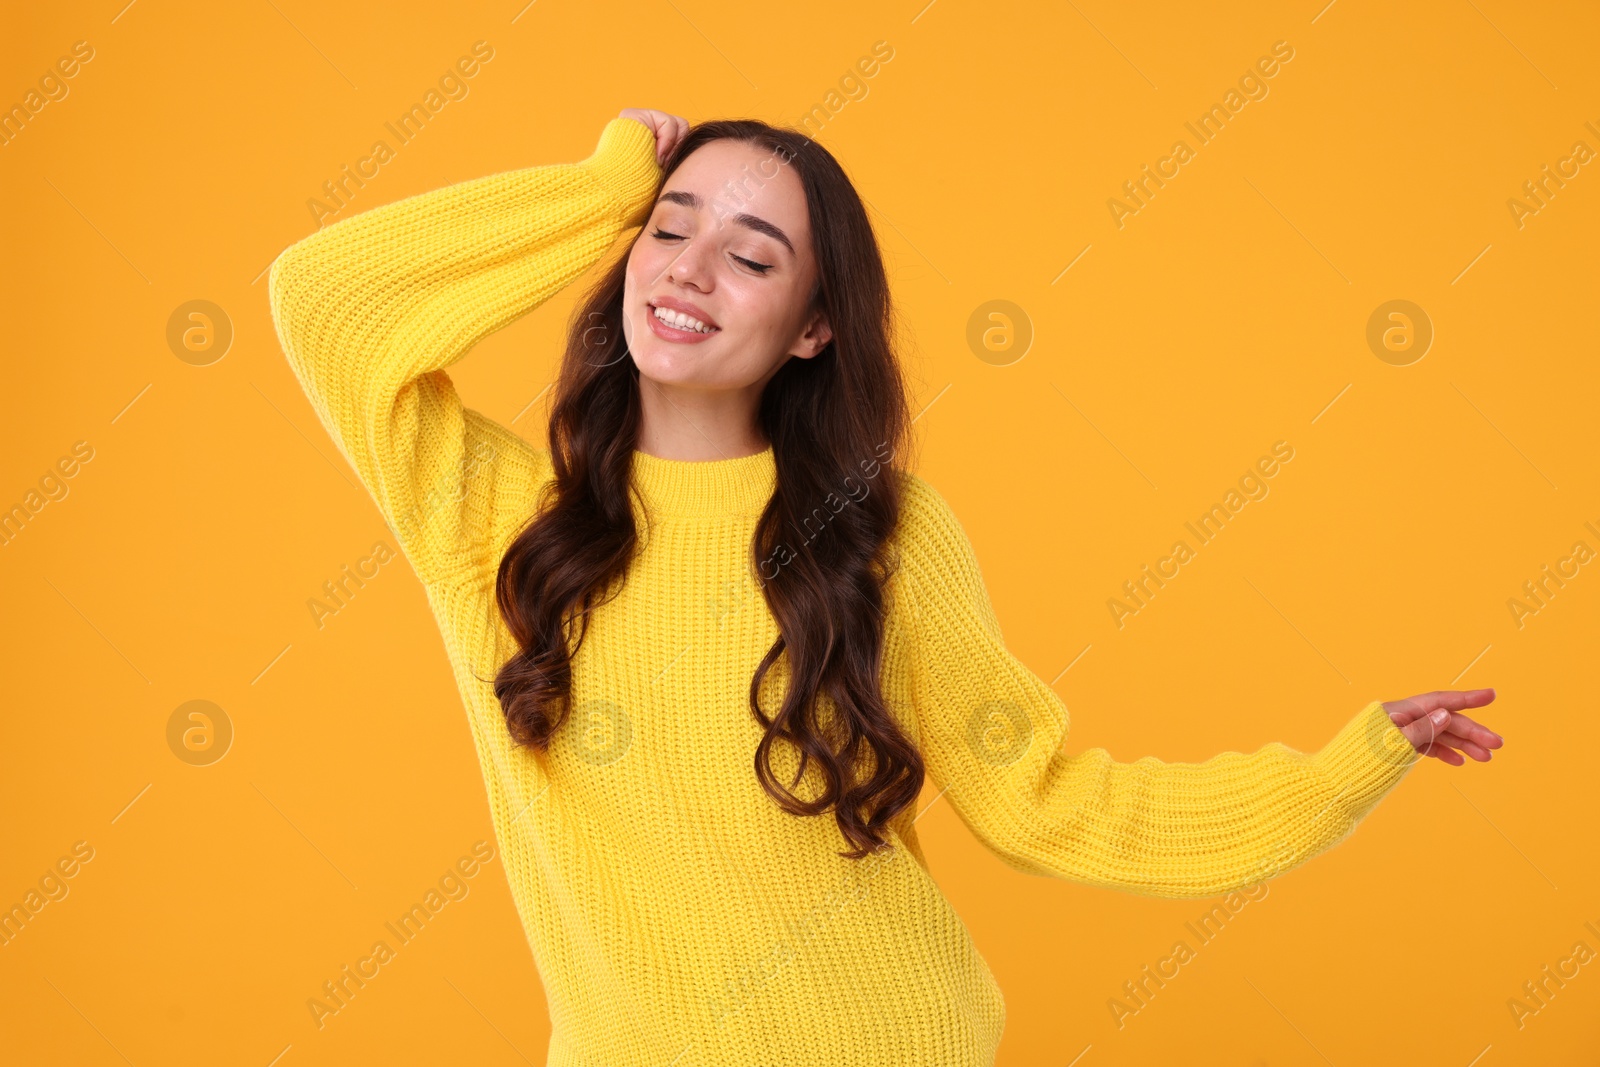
(760, 225)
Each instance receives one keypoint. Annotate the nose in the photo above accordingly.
(687, 267)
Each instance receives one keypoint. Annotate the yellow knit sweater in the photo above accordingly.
(676, 914)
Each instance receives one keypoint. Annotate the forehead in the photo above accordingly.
(732, 177)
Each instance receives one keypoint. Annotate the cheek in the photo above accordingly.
(636, 282)
(761, 311)
(635, 269)
(647, 262)
(779, 318)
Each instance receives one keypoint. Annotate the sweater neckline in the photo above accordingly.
(706, 488)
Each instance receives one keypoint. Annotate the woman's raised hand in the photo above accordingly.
(1435, 726)
(669, 129)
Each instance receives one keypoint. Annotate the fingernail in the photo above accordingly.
(1439, 717)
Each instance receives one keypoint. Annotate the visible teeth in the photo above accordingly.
(682, 321)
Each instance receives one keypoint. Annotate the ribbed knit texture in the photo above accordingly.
(676, 914)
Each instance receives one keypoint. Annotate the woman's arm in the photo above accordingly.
(992, 736)
(370, 309)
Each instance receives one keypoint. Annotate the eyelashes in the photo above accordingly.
(759, 268)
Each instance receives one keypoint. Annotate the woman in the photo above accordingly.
(712, 632)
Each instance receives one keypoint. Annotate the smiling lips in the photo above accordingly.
(676, 320)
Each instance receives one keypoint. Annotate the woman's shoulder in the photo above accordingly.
(928, 524)
(936, 562)
(932, 549)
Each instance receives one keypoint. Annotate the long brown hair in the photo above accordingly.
(827, 417)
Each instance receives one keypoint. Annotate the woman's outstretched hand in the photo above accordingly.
(1435, 726)
(669, 129)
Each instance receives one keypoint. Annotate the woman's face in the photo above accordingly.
(728, 243)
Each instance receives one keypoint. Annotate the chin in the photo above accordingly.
(665, 363)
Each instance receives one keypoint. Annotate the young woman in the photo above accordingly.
(714, 639)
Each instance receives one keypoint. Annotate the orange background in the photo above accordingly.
(1230, 312)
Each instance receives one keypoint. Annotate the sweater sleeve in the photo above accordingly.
(992, 735)
(371, 309)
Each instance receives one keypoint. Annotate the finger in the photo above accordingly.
(1434, 738)
(1465, 745)
(1457, 699)
(1451, 699)
(1445, 754)
(663, 137)
(1468, 727)
(1436, 745)
(1416, 708)
(1442, 739)
(680, 130)
(1423, 730)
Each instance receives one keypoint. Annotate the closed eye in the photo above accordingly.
(759, 268)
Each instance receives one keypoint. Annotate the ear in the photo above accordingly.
(815, 337)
